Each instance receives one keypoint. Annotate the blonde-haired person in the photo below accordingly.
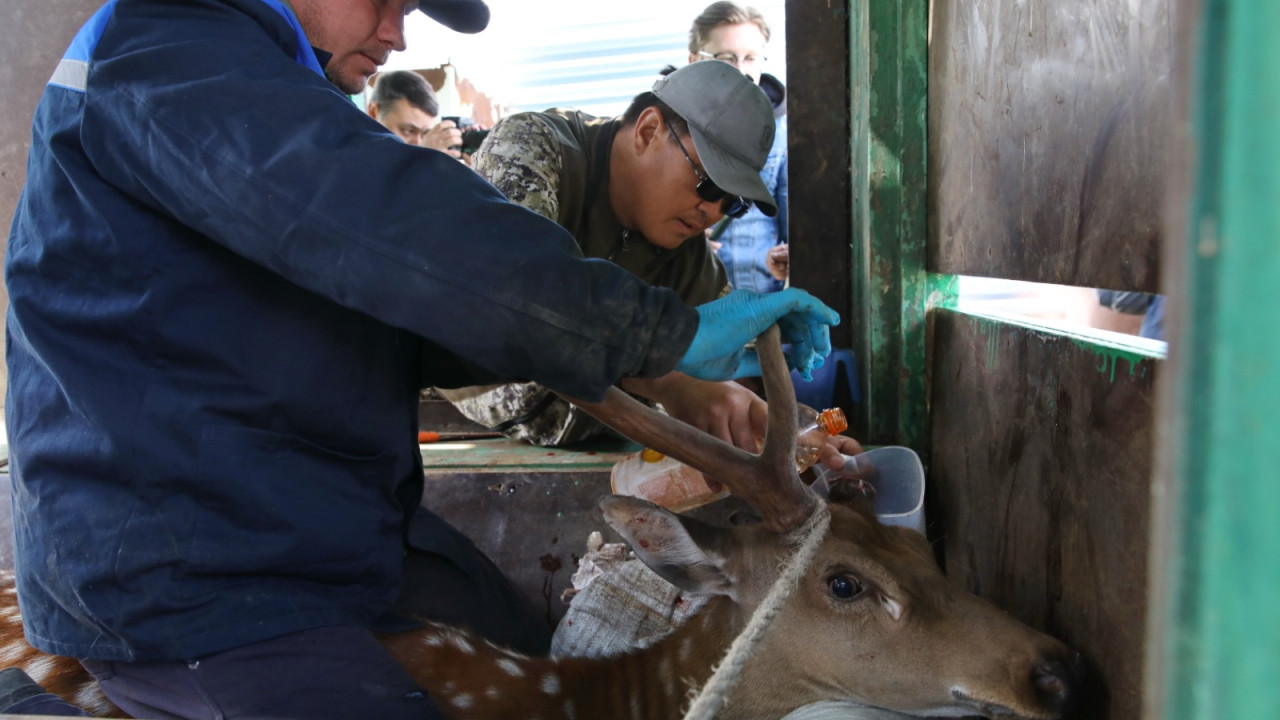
(736, 34)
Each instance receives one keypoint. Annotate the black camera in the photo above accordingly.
(472, 136)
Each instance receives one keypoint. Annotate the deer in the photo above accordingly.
(867, 616)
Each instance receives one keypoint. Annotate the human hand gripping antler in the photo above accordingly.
(768, 482)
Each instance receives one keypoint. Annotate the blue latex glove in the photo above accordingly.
(726, 325)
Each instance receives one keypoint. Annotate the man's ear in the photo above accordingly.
(648, 130)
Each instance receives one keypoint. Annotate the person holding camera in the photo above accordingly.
(638, 190)
(405, 103)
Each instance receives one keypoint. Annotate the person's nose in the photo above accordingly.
(391, 28)
(713, 210)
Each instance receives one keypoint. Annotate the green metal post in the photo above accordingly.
(890, 58)
(1214, 648)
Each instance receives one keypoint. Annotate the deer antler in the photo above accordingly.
(768, 481)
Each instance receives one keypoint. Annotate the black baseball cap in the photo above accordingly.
(464, 16)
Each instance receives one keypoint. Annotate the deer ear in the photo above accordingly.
(683, 551)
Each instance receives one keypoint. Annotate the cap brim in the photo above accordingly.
(733, 174)
(464, 16)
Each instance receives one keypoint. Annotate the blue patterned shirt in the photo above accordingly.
(747, 240)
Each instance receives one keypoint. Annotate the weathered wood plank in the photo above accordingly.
(1040, 487)
(1048, 140)
(533, 525)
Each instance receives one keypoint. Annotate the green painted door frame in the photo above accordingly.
(889, 75)
(1214, 648)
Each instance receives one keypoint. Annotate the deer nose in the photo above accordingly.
(1057, 683)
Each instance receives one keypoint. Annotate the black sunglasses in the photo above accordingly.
(731, 205)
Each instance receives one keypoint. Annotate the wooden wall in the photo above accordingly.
(1049, 126)
(1039, 487)
(1048, 153)
(532, 524)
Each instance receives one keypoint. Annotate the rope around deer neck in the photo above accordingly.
(713, 693)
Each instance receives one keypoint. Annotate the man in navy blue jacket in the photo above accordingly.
(227, 285)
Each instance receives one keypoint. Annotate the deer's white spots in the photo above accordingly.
(13, 652)
(686, 649)
(433, 640)
(550, 685)
(664, 668)
(462, 701)
(450, 687)
(513, 654)
(510, 667)
(40, 668)
(461, 643)
(492, 693)
(90, 698)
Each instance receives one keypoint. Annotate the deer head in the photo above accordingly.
(871, 620)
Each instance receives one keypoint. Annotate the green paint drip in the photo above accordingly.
(1109, 356)
(991, 328)
(1108, 350)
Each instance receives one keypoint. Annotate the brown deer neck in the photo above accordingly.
(659, 681)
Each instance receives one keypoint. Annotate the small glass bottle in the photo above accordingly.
(670, 483)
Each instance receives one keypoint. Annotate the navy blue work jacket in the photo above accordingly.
(227, 285)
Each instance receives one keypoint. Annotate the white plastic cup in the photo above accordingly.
(897, 475)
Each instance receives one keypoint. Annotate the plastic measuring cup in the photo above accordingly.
(897, 475)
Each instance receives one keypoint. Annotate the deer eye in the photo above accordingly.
(844, 587)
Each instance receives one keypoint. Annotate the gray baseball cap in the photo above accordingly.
(465, 16)
(731, 123)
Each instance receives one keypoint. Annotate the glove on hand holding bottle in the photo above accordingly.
(727, 324)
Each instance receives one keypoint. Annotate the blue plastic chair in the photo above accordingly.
(820, 393)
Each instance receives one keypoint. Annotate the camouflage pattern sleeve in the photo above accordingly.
(521, 157)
